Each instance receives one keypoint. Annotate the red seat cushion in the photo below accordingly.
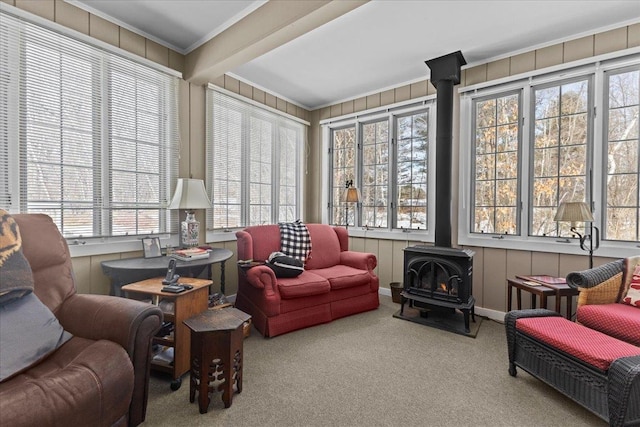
(304, 285)
(618, 320)
(588, 345)
(343, 276)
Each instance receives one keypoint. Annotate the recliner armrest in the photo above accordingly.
(360, 260)
(106, 317)
(129, 323)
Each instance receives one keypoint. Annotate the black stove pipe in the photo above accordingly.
(445, 73)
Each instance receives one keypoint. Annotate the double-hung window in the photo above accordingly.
(535, 143)
(88, 137)
(254, 163)
(386, 156)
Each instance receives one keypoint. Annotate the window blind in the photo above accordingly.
(87, 137)
(253, 164)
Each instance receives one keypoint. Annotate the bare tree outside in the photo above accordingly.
(622, 207)
(344, 169)
(496, 165)
(375, 173)
(412, 148)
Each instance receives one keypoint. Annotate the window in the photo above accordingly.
(253, 163)
(95, 134)
(371, 152)
(411, 163)
(496, 152)
(375, 173)
(343, 149)
(560, 147)
(622, 156)
(549, 129)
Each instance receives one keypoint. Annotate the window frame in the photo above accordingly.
(474, 102)
(248, 109)
(593, 68)
(106, 58)
(606, 112)
(389, 113)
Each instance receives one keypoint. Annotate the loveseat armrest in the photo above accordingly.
(359, 260)
(599, 285)
(129, 323)
(595, 276)
(262, 277)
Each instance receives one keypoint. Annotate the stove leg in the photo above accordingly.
(466, 321)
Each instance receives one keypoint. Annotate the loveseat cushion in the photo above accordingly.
(592, 347)
(84, 382)
(326, 247)
(304, 285)
(618, 320)
(343, 276)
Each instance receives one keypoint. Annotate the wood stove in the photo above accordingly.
(438, 279)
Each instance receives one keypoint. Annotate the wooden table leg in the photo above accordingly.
(534, 300)
(543, 301)
(509, 294)
(558, 302)
(519, 298)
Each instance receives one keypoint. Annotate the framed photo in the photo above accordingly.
(151, 247)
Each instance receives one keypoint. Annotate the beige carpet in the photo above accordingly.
(372, 369)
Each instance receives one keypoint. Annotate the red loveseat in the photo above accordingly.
(336, 282)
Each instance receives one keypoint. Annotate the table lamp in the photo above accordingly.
(579, 212)
(190, 194)
(351, 195)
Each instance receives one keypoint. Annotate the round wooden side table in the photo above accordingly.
(216, 354)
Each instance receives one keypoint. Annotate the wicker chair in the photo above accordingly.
(611, 394)
(599, 303)
(605, 284)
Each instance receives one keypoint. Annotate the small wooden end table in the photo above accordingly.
(540, 290)
(216, 354)
(175, 308)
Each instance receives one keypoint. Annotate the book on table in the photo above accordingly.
(190, 254)
(543, 279)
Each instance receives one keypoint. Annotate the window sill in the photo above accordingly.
(408, 235)
(79, 247)
(559, 245)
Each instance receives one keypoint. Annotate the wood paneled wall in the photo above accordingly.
(491, 266)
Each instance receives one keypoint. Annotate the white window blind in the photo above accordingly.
(96, 135)
(253, 164)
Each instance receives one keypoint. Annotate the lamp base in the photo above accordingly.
(189, 231)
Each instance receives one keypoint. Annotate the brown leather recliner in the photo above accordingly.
(100, 377)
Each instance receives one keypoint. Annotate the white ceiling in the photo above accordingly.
(379, 45)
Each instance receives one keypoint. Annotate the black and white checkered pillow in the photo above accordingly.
(295, 240)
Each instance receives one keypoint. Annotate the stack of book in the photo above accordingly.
(190, 254)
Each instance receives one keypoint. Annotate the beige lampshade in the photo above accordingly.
(190, 194)
(352, 195)
(574, 212)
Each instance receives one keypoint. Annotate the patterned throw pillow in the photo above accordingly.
(29, 331)
(633, 294)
